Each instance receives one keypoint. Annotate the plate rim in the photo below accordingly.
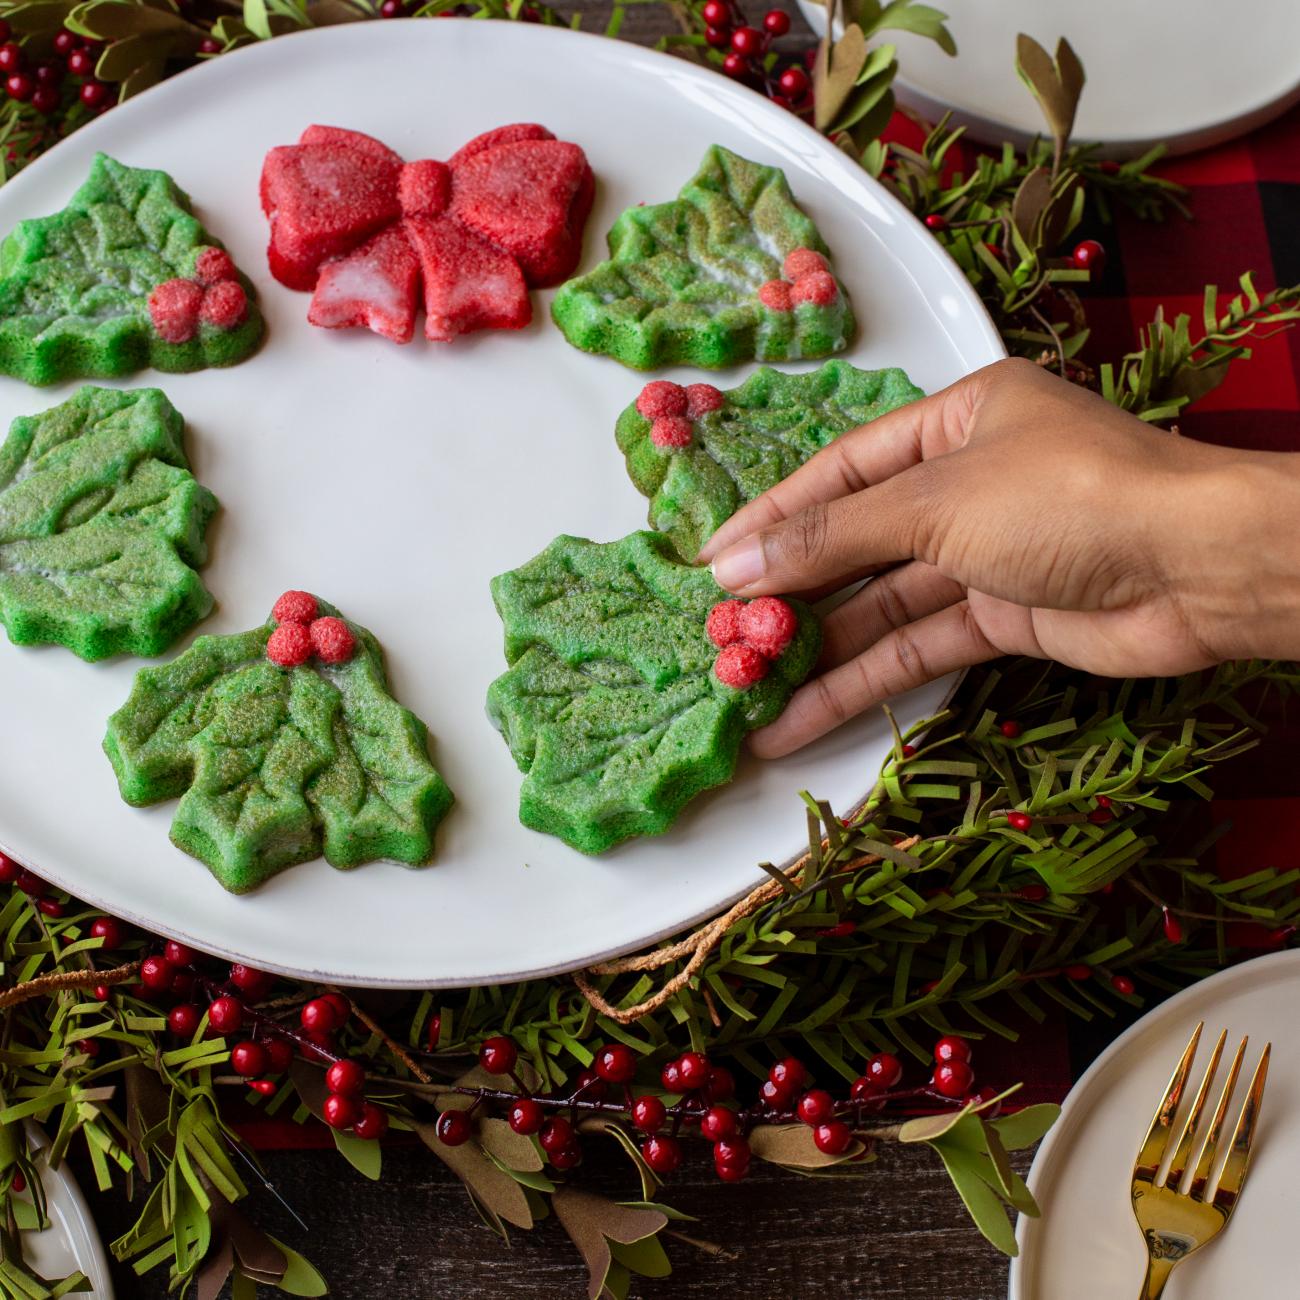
(1027, 1228)
(636, 57)
(993, 131)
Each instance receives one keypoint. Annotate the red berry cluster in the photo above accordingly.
(749, 636)
(301, 634)
(214, 295)
(40, 84)
(725, 28)
(807, 279)
(693, 1097)
(670, 408)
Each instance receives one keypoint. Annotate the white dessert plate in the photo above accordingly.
(1161, 70)
(396, 481)
(71, 1242)
(1087, 1244)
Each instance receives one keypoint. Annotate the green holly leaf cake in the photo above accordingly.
(700, 454)
(101, 526)
(730, 271)
(282, 743)
(633, 679)
(124, 277)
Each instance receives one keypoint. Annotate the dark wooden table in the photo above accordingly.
(898, 1232)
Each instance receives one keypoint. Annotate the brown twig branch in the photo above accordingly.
(72, 979)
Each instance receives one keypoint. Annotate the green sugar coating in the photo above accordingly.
(74, 287)
(763, 432)
(611, 706)
(682, 282)
(274, 766)
(101, 526)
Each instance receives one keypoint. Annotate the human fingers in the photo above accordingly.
(832, 541)
(892, 600)
(906, 658)
(866, 455)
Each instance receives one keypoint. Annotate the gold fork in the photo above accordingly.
(1176, 1221)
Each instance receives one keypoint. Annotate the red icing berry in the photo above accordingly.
(225, 304)
(723, 626)
(701, 399)
(289, 645)
(662, 397)
(803, 261)
(817, 287)
(671, 431)
(214, 265)
(767, 624)
(174, 309)
(739, 666)
(294, 607)
(332, 640)
(775, 295)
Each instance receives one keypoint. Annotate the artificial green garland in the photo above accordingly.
(1007, 858)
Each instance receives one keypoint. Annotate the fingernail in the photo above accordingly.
(740, 565)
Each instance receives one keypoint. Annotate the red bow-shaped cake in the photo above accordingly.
(363, 229)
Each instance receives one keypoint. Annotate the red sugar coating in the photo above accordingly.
(375, 286)
(214, 265)
(775, 295)
(768, 624)
(701, 399)
(174, 309)
(294, 607)
(739, 666)
(723, 626)
(662, 397)
(362, 228)
(817, 287)
(225, 304)
(803, 261)
(671, 431)
(289, 645)
(332, 640)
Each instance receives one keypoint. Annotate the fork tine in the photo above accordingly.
(1233, 1177)
(1153, 1146)
(1210, 1147)
(1183, 1153)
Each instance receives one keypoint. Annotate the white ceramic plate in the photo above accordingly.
(1087, 1244)
(395, 481)
(1160, 70)
(71, 1241)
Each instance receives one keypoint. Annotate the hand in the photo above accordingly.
(1015, 513)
